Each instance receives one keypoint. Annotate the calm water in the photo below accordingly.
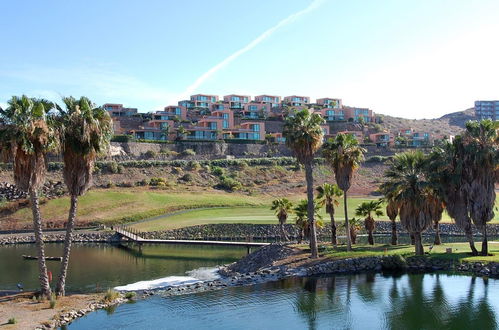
(101, 266)
(431, 301)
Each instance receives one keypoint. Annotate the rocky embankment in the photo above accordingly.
(96, 237)
(9, 192)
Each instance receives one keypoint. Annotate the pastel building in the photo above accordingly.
(329, 103)
(383, 139)
(359, 136)
(236, 102)
(273, 100)
(416, 138)
(331, 114)
(246, 131)
(487, 110)
(203, 100)
(296, 101)
(254, 110)
(355, 114)
(211, 127)
(117, 110)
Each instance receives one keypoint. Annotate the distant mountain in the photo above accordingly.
(449, 124)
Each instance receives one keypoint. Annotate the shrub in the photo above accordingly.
(110, 184)
(193, 165)
(130, 295)
(158, 182)
(111, 295)
(150, 154)
(188, 177)
(143, 182)
(217, 171)
(229, 184)
(188, 152)
(113, 167)
(12, 320)
(53, 300)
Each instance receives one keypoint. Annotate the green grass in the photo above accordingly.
(118, 206)
(460, 251)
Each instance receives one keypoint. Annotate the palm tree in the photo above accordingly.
(354, 226)
(29, 134)
(392, 212)
(85, 131)
(301, 220)
(327, 195)
(303, 133)
(344, 155)
(408, 186)
(282, 208)
(446, 171)
(481, 150)
(366, 209)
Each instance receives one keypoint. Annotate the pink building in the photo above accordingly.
(236, 101)
(256, 110)
(273, 100)
(296, 101)
(383, 139)
(330, 114)
(329, 103)
(117, 110)
(247, 131)
(203, 100)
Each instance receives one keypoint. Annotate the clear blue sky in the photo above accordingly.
(406, 58)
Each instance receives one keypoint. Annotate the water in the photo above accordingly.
(367, 301)
(97, 267)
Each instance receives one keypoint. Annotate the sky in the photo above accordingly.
(406, 58)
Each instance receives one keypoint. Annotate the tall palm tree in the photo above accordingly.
(304, 134)
(408, 186)
(85, 131)
(302, 220)
(344, 155)
(328, 195)
(392, 212)
(366, 209)
(282, 207)
(481, 149)
(446, 172)
(30, 136)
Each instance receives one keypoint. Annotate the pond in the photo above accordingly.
(366, 301)
(97, 267)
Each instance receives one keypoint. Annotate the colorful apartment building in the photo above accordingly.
(273, 100)
(413, 138)
(487, 110)
(203, 100)
(254, 110)
(383, 139)
(355, 114)
(330, 114)
(236, 102)
(117, 110)
(296, 101)
(329, 103)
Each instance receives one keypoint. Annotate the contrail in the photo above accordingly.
(288, 20)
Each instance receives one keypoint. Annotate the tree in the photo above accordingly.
(408, 186)
(344, 155)
(30, 135)
(302, 220)
(447, 170)
(85, 131)
(303, 133)
(392, 212)
(328, 195)
(354, 226)
(481, 156)
(366, 209)
(181, 132)
(282, 208)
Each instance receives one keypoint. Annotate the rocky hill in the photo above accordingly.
(449, 124)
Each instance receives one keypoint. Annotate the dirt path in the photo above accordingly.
(29, 313)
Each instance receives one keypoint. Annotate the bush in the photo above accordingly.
(110, 184)
(188, 177)
(113, 167)
(377, 159)
(188, 152)
(111, 295)
(217, 171)
(158, 182)
(12, 320)
(143, 182)
(193, 165)
(130, 295)
(53, 300)
(150, 154)
(229, 184)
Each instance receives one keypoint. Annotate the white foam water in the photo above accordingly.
(195, 276)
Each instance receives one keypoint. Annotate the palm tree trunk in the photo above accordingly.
(436, 226)
(284, 235)
(334, 240)
(40, 246)
(61, 282)
(394, 233)
(347, 224)
(370, 237)
(418, 244)
(485, 247)
(413, 240)
(469, 236)
(310, 208)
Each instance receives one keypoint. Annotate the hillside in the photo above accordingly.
(449, 124)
